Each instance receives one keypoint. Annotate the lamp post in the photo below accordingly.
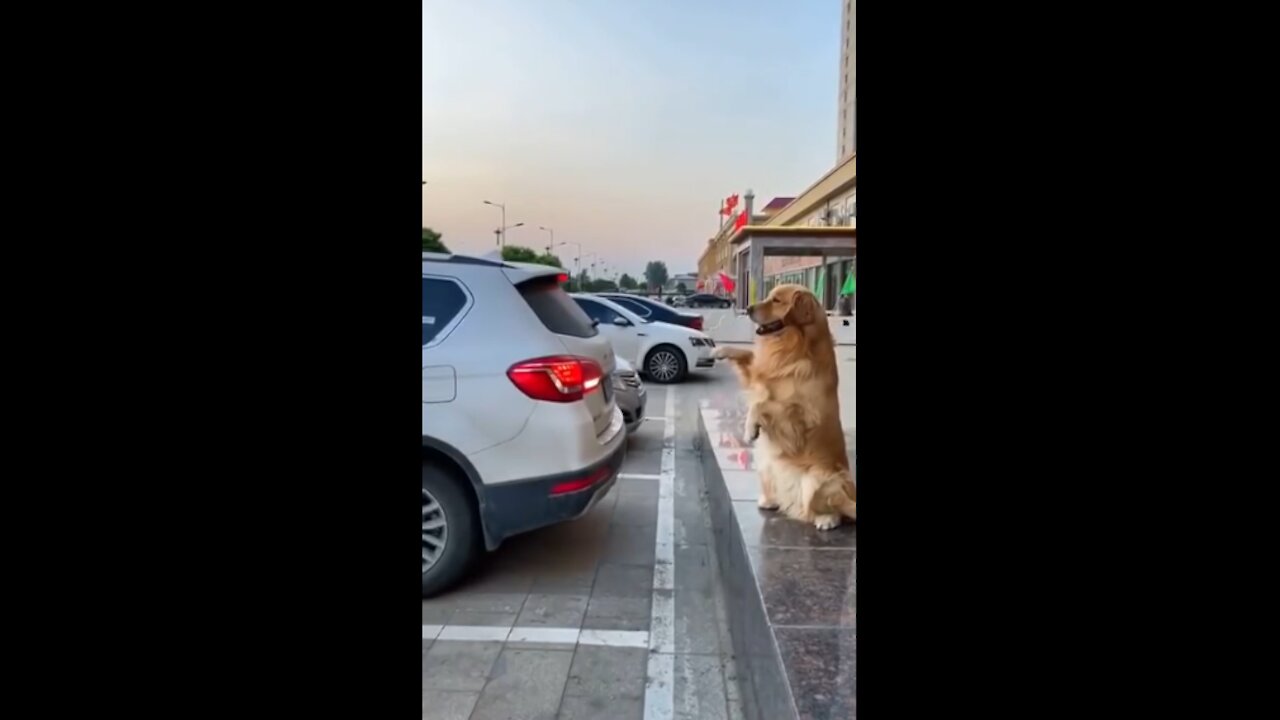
(502, 232)
(552, 243)
(577, 259)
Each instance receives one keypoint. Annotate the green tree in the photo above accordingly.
(431, 241)
(517, 253)
(627, 282)
(655, 274)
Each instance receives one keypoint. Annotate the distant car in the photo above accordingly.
(677, 301)
(629, 393)
(520, 428)
(706, 300)
(663, 352)
(654, 310)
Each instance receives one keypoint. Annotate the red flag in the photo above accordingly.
(726, 282)
(741, 221)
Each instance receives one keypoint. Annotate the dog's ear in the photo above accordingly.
(804, 308)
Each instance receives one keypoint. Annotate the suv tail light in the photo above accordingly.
(560, 378)
(697, 323)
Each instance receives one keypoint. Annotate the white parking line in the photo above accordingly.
(614, 638)
(537, 634)
(659, 689)
(638, 476)
(477, 633)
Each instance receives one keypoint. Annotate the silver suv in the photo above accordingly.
(520, 428)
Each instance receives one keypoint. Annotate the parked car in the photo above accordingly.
(628, 390)
(654, 310)
(706, 300)
(663, 352)
(520, 428)
(677, 301)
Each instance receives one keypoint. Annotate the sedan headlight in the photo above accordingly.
(700, 342)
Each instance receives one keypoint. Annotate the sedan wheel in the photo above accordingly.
(435, 531)
(665, 365)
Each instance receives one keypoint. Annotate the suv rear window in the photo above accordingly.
(557, 311)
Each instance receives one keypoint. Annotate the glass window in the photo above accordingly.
(442, 302)
(596, 311)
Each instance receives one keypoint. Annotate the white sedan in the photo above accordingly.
(665, 353)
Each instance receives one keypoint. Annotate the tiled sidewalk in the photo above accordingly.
(792, 588)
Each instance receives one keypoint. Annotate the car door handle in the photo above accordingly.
(642, 335)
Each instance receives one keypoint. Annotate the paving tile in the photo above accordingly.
(807, 587)
(822, 666)
(742, 484)
(554, 610)
(607, 672)
(524, 685)
(762, 527)
(613, 613)
(440, 705)
(469, 617)
(623, 581)
(642, 511)
(458, 665)
(630, 545)
(489, 602)
(437, 611)
(699, 688)
(600, 708)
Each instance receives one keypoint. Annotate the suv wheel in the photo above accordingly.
(450, 537)
(666, 364)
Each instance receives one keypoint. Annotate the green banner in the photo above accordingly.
(820, 284)
(850, 285)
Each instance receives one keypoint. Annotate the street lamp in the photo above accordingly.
(502, 234)
(577, 260)
(553, 238)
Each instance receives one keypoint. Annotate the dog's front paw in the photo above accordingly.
(826, 522)
(765, 503)
(750, 431)
(720, 353)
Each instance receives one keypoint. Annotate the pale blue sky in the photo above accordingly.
(621, 125)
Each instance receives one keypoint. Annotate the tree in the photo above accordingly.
(655, 274)
(627, 282)
(517, 253)
(431, 241)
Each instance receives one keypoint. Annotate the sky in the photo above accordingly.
(620, 125)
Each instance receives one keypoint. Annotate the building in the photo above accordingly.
(811, 241)
(847, 130)
(716, 256)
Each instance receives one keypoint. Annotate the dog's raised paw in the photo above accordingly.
(750, 432)
(826, 522)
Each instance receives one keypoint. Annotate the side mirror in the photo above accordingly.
(621, 322)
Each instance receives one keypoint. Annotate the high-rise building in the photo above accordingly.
(848, 105)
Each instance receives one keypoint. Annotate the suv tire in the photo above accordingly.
(450, 533)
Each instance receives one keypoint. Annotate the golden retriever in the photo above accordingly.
(793, 411)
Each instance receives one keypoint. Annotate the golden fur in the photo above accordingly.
(793, 411)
